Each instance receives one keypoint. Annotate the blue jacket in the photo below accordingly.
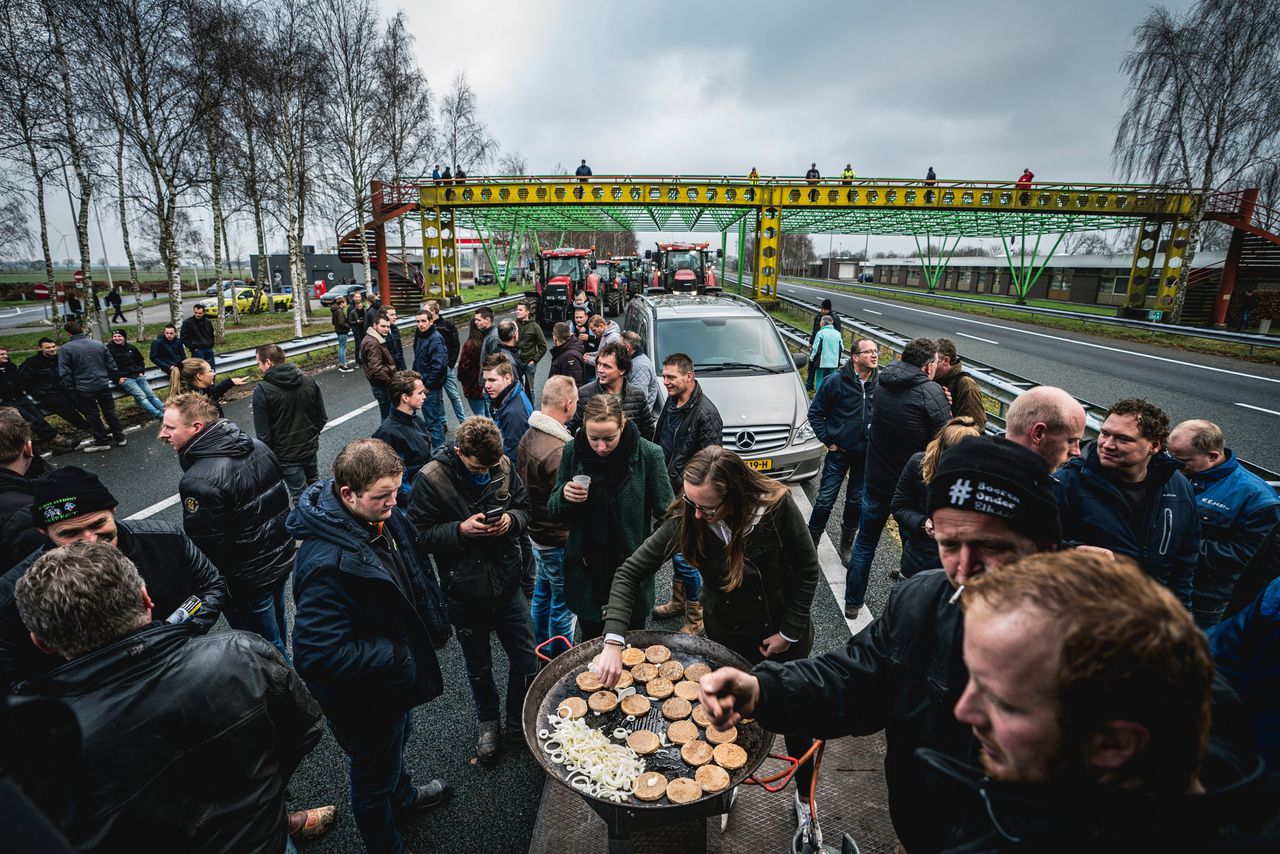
(1247, 651)
(840, 413)
(1237, 513)
(431, 358)
(166, 354)
(1165, 542)
(409, 437)
(825, 352)
(511, 411)
(360, 643)
(396, 347)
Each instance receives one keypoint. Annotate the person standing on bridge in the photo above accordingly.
(840, 415)
(1126, 494)
(813, 176)
(847, 176)
(930, 179)
(1238, 513)
(754, 175)
(909, 409)
(583, 171)
(234, 505)
(1024, 183)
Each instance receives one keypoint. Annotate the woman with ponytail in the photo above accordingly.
(197, 375)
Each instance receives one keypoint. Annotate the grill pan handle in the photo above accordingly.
(537, 650)
(785, 775)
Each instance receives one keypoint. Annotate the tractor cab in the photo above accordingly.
(562, 274)
(613, 295)
(682, 267)
(629, 270)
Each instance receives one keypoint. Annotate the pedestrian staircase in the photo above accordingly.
(405, 277)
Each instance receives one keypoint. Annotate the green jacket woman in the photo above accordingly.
(611, 517)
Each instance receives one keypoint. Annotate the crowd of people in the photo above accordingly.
(1080, 650)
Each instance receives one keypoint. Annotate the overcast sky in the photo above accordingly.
(978, 90)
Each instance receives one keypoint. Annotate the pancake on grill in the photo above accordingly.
(712, 778)
(700, 717)
(722, 736)
(687, 691)
(588, 681)
(657, 653)
(572, 708)
(729, 756)
(603, 701)
(644, 742)
(672, 670)
(697, 752)
(631, 656)
(650, 786)
(644, 672)
(694, 672)
(659, 688)
(676, 709)
(636, 704)
(624, 680)
(682, 790)
(681, 732)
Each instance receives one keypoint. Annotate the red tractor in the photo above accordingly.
(612, 288)
(562, 274)
(682, 267)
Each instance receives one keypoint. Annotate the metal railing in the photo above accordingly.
(1249, 340)
(241, 359)
(997, 385)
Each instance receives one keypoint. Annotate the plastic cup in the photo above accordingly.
(583, 481)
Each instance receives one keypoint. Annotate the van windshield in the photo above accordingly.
(724, 344)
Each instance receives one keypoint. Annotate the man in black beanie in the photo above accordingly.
(991, 503)
(71, 505)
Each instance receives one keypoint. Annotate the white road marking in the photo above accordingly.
(1183, 362)
(976, 338)
(832, 569)
(1259, 408)
(174, 499)
(869, 311)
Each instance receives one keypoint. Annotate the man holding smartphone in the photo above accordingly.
(471, 511)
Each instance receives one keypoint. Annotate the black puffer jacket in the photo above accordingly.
(18, 534)
(634, 405)
(698, 425)
(919, 550)
(224, 720)
(909, 408)
(170, 565)
(288, 413)
(40, 378)
(234, 505)
(474, 571)
(128, 360)
(449, 333)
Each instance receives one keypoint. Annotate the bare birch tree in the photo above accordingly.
(464, 139)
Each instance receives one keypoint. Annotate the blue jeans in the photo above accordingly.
(261, 613)
(551, 616)
(688, 577)
(145, 397)
(478, 407)
(875, 512)
(834, 468)
(432, 413)
(205, 353)
(454, 391)
(383, 398)
(380, 783)
(342, 349)
(299, 475)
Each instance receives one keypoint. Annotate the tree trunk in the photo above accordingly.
(36, 175)
(134, 284)
(215, 202)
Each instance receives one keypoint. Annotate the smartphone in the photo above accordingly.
(493, 516)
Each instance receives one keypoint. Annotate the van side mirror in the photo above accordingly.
(801, 359)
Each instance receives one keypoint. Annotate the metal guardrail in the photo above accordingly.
(1001, 386)
(1246, 339)
(241, 359)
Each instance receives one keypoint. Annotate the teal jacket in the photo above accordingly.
(644, 498)
(826, 348)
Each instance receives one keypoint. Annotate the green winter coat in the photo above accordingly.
(779, 576)
(644, 498)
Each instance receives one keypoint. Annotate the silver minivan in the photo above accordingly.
(745, 368)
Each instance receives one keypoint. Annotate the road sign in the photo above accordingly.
(1154, 316)
(41, 291)
(79, 276)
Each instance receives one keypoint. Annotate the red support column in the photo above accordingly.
(1248, 201)
(380, 245)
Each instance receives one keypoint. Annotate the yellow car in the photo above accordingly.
(282, 302)
(237, 300)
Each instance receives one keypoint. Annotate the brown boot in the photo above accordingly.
(692, 618)
(676, 605)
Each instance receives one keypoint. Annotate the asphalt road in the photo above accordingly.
(35, 314)
(1243, 398)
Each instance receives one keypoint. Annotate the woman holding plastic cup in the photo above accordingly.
(612, 486)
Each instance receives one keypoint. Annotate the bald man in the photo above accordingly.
(1047, 421)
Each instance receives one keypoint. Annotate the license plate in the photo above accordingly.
(760, 465)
